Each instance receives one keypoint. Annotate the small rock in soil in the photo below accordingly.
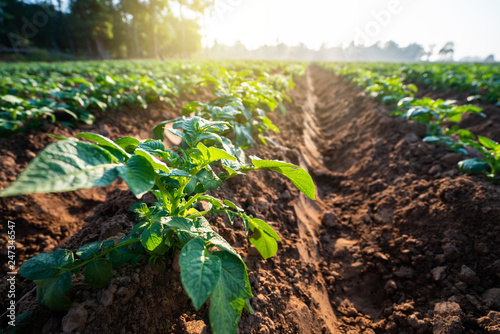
(110, 229)
(285, 195)
(490, 323)
(30, 155)
(390, 287)
(468, 276)
(74, 319)
(52, 325)
(195, 327)
(492, 297)
(262, 204)
(440, 258)
(107, 298)
(439, 273)
(415, 322)
(203, 206)
(412, 138)
(435, 169)
(481, 248)
(404, 272)
(8, 163)
(450, 251)
(329, 219)
(447, 318)
(451, 158)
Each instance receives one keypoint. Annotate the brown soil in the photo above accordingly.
(397, 242)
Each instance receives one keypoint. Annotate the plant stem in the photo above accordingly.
(109, 250)
(189, 203)
(199, 214)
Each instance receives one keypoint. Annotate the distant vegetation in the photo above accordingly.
(381, 52)
(100, 28)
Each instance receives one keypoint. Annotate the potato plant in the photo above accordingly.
(32, 94)
(388, 83)
(243, 101)
(437, 115)
(491, 152)
(179, 178)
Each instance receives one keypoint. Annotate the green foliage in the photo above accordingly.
(491, 163)
(179, 177)
(389, 83)
(71, 92)
(200, 271)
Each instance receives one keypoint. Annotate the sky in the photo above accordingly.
(474, 26)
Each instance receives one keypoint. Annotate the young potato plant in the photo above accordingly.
(243, 102)
(437, 115)
(179, 178)
(491, 154)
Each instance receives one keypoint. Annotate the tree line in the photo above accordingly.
(103, 28)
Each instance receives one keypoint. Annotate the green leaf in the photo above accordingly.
(412, 87)
(262, 225)
(159, 130)
(228, 298)
(108, 244)
(89, 250)
(270, 124)
(224, 314)
(204, 229)
(472, 166)
(11, 99)
(212, 154)
(178, 224)
(488, 143)
(208, 179)
(152, 145)
(265, 244)
(217, 203)
(141, 209)
(232, 205)
(431, 139)
(103, 106)
(191, 186)
(129, 144)
(51, 291)
(21, 321)
(138, 174)
(65, 166)
(120, 256)
(106, 143)
(234, 276)
(152, 236)
(299, 177)
(155, 163)
(200, 271)
(98, 273)
(249, 307)
(46, 265)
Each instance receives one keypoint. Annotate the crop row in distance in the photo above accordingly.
(212, 141)
(32, 94)
(393, 85)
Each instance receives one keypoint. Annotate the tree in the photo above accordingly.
(414, 52)
(446, 52)
(490, 59)
(196, 7)
(93, 22)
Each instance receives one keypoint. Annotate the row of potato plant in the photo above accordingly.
(179, 178)
(36, 93)
(440, 117)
